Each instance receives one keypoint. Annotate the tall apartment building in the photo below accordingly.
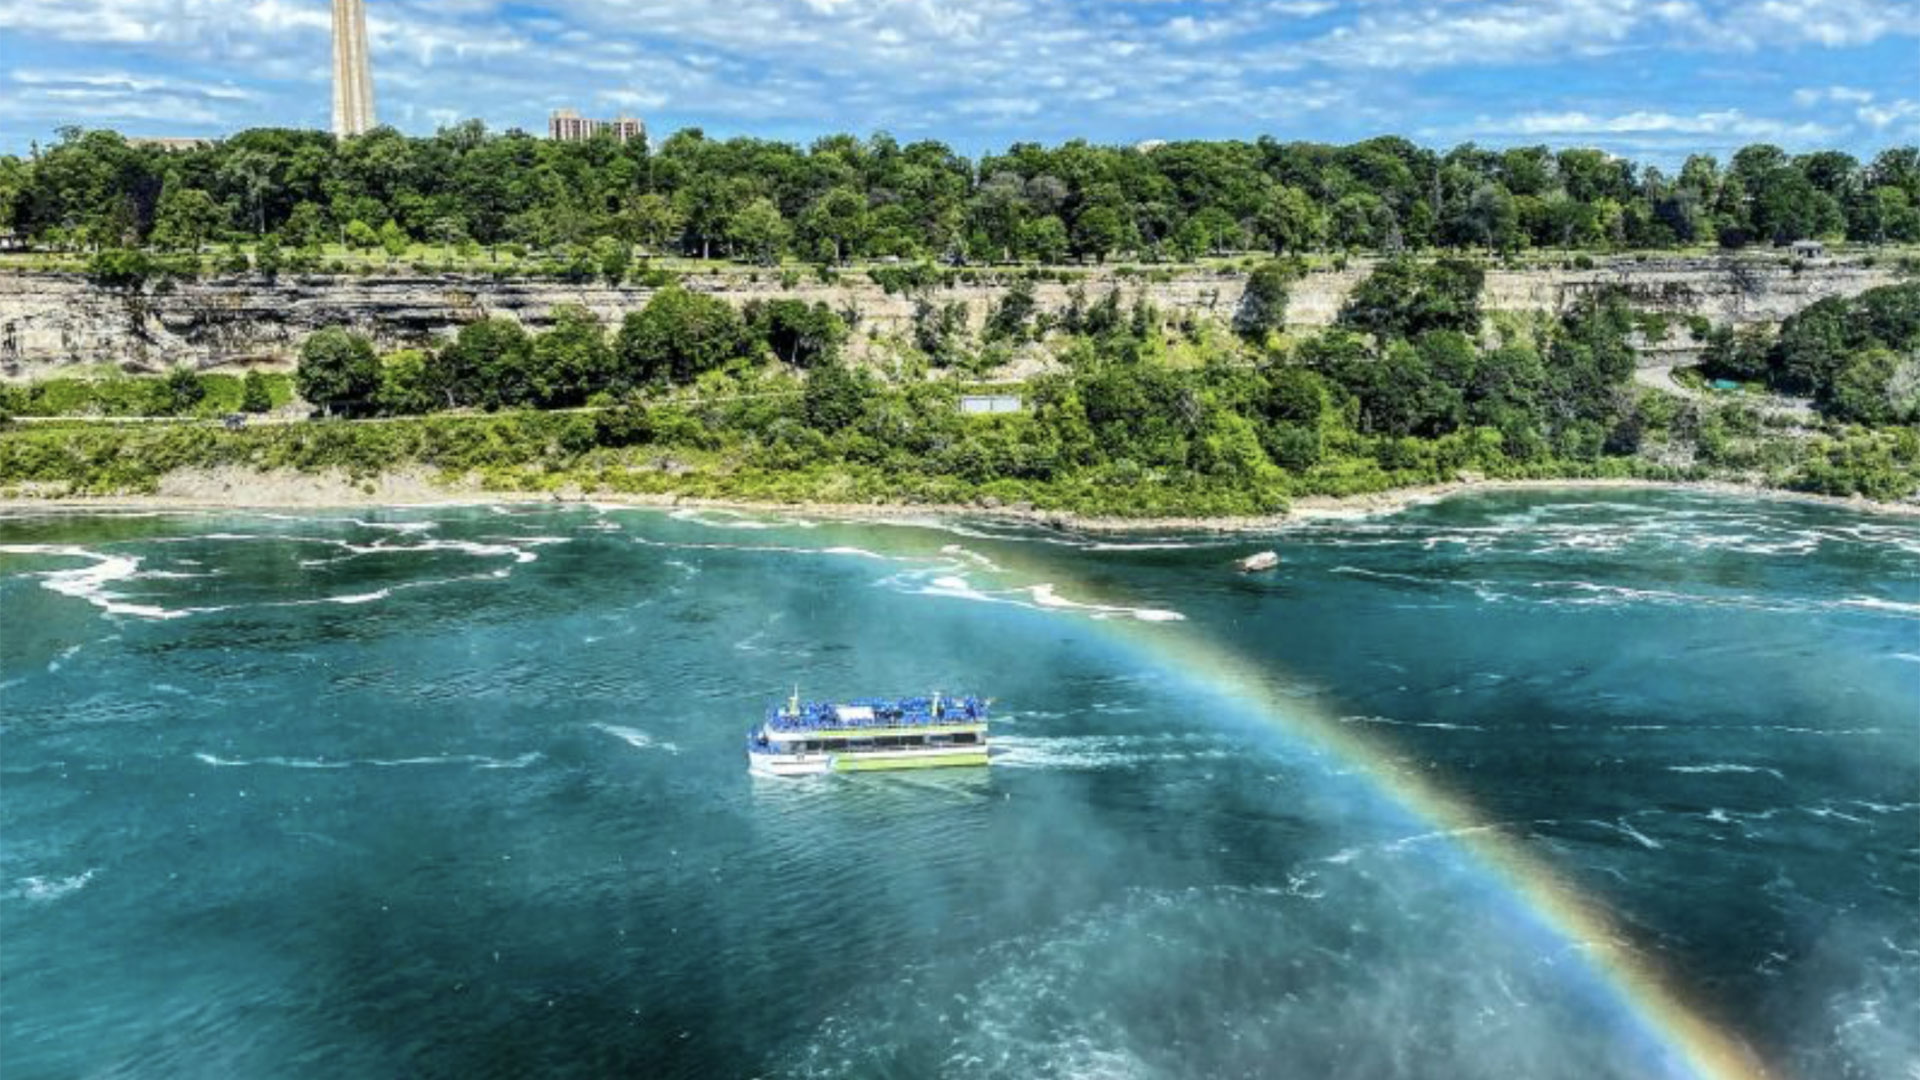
(566, 125)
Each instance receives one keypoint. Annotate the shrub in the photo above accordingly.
(119, 268)
(255, 397)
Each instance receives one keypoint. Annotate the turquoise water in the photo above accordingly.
(462, 792)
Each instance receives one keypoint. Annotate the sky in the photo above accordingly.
(1651, 79)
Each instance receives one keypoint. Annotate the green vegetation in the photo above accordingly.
(1858, 358)
(122, 396)
(303, 201)
(690, 396)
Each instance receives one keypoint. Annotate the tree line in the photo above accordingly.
(844, 198)
(495, 363)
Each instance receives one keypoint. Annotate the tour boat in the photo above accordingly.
(799, 737)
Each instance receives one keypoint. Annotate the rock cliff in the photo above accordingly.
(48, 321)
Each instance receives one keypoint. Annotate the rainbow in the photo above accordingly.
(1637, 984)
(1646, 992)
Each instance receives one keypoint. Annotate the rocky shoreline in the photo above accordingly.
(238, 489)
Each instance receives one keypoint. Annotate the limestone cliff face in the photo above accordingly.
(48, 321)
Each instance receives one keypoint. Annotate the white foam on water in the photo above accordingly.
(476, 760)
(1432, 725)
(721, 519)
(520, 762)
(279, 762)
(404, 527)
(1718, 768)
(480, 761)
(959, 552)
(1635, 835)
(1046, 596)
(44, 890)
(1096, 752)
(91, 583)
(361, 598)
(636, 738)
(1874, 603)
(1830, 812)
(1156, 545)
(1041, 597)
(768, 549)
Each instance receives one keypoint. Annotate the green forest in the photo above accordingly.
(297, 194)
(689, 396)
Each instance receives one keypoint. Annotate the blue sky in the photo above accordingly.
(1653, 79)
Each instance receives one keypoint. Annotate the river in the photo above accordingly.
(1530, 784)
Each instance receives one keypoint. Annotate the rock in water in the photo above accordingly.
(1254, 564)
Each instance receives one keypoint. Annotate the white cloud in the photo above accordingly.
(1839, 95)
(1001, 69)
(1721, 125)
(1881, 117)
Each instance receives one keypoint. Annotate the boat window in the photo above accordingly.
(965, 738)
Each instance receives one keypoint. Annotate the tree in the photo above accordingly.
(306, 227)
(836, 223)
(939, 330)
(188, 218)
(486, 365)
(406, 385)
(181, 391)
(799, 334)
(677, 337)
(1862, 389)
(571, 361)
(613, 259)
(1012, 316)
(650, 220)
(760, 232)
(1263, 306)
(1355, 221)
(1208, 232)
(394, 239)
(255, 396)
(1290, 221)
(267, 257)
(1101, 231)
(361, 237)
(338, 372)
(835, 397)
(1046, 239)
(1403, 298)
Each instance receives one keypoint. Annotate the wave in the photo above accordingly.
(361, 598)
(721, 519)
(1871, 603)
(478, 761)
(91, 583)
(768, 549)
(48, 889)
(1719, 768)
(403, 527)
(1041, 597)
(1433, 725)
(1096, 752)
(636, 738)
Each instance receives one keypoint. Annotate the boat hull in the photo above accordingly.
(811, 764)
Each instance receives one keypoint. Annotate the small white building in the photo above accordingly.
(1809, 249)
(991, 404)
